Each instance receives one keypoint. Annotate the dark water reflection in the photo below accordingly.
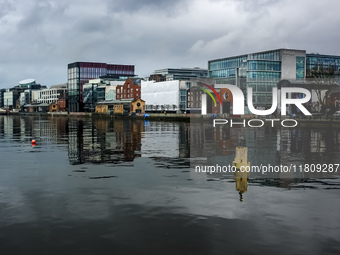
(126, 187)
(115, 141)
(268, 146)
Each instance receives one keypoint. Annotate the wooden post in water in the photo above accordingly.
(243, 168)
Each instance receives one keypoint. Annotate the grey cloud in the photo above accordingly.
(39, 37)
(93, 25)
(6, 7)
(163, 6)
(258, 5)
(40, 12)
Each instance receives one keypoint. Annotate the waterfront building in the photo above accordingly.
(21, 94)
(2, 91)
(93, 92)
(169, 96)
(124, 107)
(194, 99)
(194, 93)
(51, 95)
(36, 107)
(130, 90)
(322, 66)
(170, 74)
(25, 97)
(172, 96)
(28, 86)
(97, 90)
(10, 97)
(27, 83)
(191, 76)
(80, 73)
(263, 70)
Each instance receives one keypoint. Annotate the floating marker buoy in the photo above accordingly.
(33, 142)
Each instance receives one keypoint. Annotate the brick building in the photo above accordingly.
(130, 90)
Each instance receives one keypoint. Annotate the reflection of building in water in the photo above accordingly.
(241, 163)
(2, 129)
(50, 129)
(75, 141)
(22, 128)
(128, 138)
(104, 140)
(207, 141)
(165, 140)
(267, 145)
(307, 143)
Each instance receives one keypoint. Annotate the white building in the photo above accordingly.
(167, 96)
(51, 95)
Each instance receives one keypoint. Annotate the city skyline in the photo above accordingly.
(40, 38)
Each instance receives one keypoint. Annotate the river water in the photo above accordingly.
(105, 186)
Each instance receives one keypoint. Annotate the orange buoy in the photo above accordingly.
(33, 142)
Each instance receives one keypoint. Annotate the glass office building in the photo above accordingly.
(171, 74)
(11, 96)
(318, 63)
(92, 95)
(2, 91)
(80, 73)
(261, 71)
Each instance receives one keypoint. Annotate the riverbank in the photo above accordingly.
(315, 120)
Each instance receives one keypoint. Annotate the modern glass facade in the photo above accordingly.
(80, 73)
(263, 70)
(183, 99)
(226, 70)
(170, 74)
(2, 91)
(322, 64)
(260, 65)
(11, 96)
(92, 94)
(8, 99)
(260, 71)
(300, 68)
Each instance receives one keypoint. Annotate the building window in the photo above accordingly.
(300, 68)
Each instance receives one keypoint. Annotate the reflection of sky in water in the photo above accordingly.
(156, 202)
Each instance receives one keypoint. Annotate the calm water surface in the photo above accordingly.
(126, 187)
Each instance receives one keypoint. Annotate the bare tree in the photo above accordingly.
(323, 81)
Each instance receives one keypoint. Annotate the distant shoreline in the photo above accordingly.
(315, 121)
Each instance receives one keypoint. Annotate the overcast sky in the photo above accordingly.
(40, 37)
